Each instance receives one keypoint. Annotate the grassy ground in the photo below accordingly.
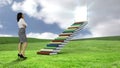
(89, 53)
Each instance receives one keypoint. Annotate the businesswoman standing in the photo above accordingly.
(22, 35)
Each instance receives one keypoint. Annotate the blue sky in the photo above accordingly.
(48, 18)
(9, 24)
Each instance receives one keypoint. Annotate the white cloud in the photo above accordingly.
(5, 35)
(61, 12)
(5, 2)
(80, 14)
(104, 18)
(27, 6)
(45, 35)
(107, 28)
(1, 26)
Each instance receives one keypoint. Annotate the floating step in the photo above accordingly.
(65, 34)
(50, 50)
(63, 37)
(68, 31)
(62, 43)
(73, 27)
(60, 38)
(55, 42)
(54, 45)
(79, 22)
(55, 48)
(45, 53)
(75, 24)
(58, 41)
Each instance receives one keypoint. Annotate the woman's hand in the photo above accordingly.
(24, 25)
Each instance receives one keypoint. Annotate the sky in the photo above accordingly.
(46, 19)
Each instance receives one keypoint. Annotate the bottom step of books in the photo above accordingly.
(45, 53)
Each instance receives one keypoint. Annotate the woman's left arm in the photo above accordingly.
(24, 23)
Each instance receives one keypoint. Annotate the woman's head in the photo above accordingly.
(19, 15)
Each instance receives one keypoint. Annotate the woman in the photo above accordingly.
(22, 35)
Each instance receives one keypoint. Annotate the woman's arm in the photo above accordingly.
(24, 23)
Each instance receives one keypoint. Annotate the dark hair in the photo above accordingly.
(19, 15)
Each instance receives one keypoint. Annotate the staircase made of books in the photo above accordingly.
(55, 45)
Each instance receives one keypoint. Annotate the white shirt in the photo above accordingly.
(22, 23)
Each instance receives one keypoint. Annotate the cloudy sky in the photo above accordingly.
(48, 18)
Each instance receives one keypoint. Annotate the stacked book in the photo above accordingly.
(55, 45)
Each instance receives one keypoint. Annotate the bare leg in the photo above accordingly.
(19, 48)
(24, 48)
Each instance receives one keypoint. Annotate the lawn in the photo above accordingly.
(86, 53)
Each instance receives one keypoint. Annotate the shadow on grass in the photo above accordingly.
(61, 53)
(16, 61)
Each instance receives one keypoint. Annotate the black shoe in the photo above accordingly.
(21, 56)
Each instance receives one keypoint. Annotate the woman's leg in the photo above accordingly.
(19, 48)
(24, 48)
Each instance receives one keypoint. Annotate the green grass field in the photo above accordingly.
(86, 53)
